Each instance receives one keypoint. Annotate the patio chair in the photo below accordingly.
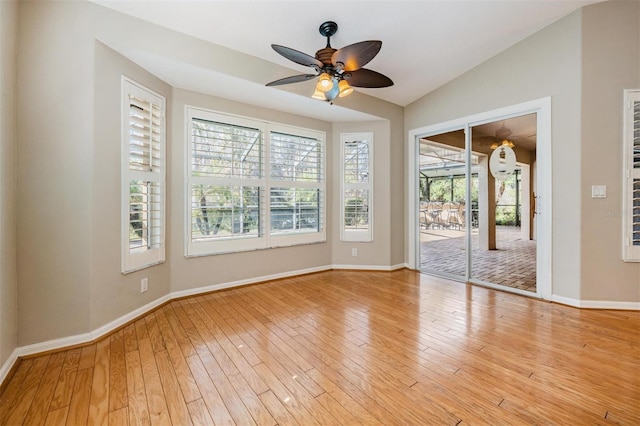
(426, 219)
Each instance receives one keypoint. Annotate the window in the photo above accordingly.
(252, 185)
(297, 184)
(631, 209)
(357, 187)
(143, 174)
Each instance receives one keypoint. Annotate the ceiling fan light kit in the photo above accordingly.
(505, 142)
(339, 70)
(345, 89)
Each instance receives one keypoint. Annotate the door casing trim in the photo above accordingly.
(544, 217)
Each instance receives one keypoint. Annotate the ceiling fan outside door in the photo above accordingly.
(339, 70)
(503, 137)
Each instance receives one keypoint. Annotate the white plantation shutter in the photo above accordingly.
(631, 208)
(227, 185)
(357, 187)
(143, 175)
(252, 185)
(297, 187)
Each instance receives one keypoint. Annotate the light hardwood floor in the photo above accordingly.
(344, 347)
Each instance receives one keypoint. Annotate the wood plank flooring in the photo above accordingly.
(343, 347)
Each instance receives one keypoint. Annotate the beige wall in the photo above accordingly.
(377, 252)
(389, 185)
(610, 64)
(8, 276)
(68, 245)
(545, 64)
(113, 294)
(194, 272)
(68, 166)
(55, 134)
(582, 61)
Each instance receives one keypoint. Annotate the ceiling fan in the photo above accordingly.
(339, 69)
(503, 137)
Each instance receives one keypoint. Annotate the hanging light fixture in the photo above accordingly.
(345, 89)
(333, 93)
(324, 82)
(334, 67)
(319, 95)
(505, 142)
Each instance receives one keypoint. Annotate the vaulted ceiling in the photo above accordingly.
(425, 44)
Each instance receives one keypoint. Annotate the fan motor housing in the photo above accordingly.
(324, 55)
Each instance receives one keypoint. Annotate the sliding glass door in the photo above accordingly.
(503, 250)
(442, 207)
(476, 205)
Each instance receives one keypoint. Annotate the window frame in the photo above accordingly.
(265, 239)
(630, 252)
(357, 235)
(141, 259)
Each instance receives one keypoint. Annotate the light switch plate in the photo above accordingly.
(599, 191)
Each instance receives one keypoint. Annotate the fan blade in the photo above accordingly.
(292, 79)
(368, 78)
(297, 57)
(356, 55)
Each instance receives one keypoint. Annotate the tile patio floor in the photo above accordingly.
(513, 264)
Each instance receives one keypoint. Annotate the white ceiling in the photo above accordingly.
(425, 43)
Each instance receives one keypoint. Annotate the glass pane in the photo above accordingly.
(636, 213)
(295, 210)
(219, 212)
(636, 135)
(356, 209)
(442, 213)
(145, 221)
(356, 162)
(144, 135)
(225, 150)
(503, 250)
(295, 158)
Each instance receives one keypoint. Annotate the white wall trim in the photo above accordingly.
(8, 365)
(92, 335)
(597, 304)
(610, 304)
(565, 301)
(542, 107)
(371, 267)
(239, 283)
(101, 331)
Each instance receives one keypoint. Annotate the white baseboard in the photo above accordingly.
(8, 365)
(99, 332)
(565, 300)
(606, 304)
(118, 322)
(596, 304)
(222, 286)
(371, 267)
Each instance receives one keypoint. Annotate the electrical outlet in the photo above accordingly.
(354, 252)
(144, 285)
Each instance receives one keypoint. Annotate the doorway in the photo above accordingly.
(477, 221)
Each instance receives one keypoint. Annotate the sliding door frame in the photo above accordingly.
(544, 221)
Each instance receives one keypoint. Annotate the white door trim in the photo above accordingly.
(544, 222)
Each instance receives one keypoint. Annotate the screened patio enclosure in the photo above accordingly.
(498, 225)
